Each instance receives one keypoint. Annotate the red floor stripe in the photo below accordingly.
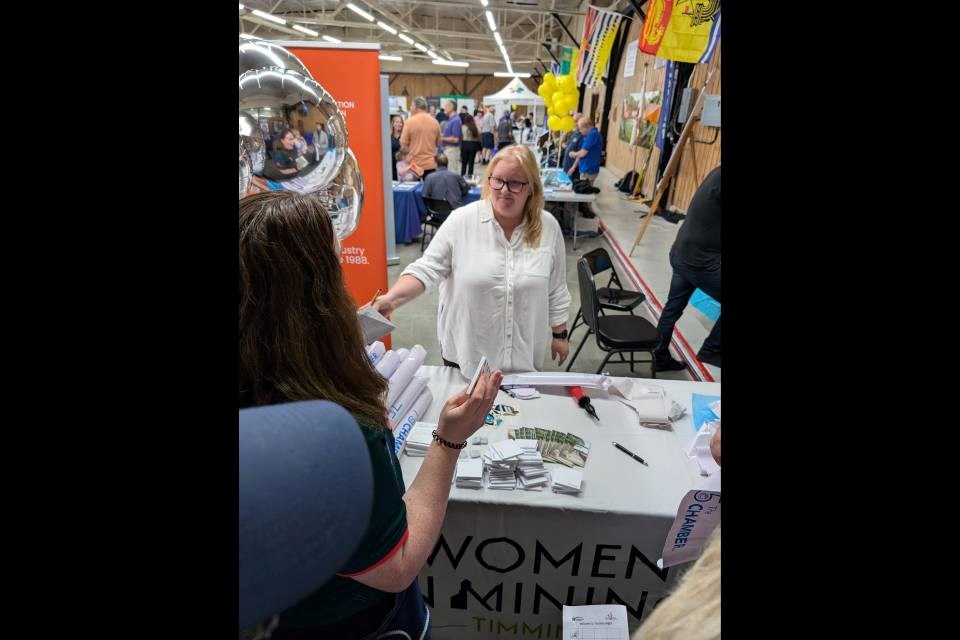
(653, 305)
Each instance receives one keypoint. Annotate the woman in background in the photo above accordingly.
(469, 144)
(396, 128)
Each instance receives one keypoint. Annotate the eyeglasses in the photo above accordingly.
(513, 186)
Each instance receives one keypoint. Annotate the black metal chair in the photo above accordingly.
(615, 334)
(612, 297)
(437, 212)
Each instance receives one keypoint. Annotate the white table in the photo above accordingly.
(553, 195)
(511, 557)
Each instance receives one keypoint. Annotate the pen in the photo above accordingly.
(376, 295)
(630, 453)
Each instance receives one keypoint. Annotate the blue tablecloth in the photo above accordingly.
(409, 210)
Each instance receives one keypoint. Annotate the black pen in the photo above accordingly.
(630, 453)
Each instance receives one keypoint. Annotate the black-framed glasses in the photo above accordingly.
(513, 186)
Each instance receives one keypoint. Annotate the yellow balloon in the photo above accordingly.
(566, 123)
(572, 102)
(550, 80)
(543, 91)
(553, 123)
(567, 83)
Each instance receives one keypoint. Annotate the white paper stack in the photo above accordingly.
(501, 461)
(648, 401)
(567, 480)
(469, 473)
(419, 439)
(531, 473)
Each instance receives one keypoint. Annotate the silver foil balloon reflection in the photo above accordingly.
(245, 169)
(284, 94)
(343, 199)
(252, 138)
(258, 54)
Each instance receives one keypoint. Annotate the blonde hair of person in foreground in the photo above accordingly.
(692, 611)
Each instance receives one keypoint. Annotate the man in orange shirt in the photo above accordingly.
(422, 134)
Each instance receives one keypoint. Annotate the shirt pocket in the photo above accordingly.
(537, 263)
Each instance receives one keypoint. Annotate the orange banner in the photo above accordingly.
(357, 92)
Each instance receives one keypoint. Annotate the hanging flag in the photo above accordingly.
(669, 86)
(599, 35)
(566, 59)
(654, 25)
(681, 30)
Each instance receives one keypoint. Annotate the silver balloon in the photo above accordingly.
(245, 169)
(281, 92)
(258, 54)
(252, 138)
(343, 199)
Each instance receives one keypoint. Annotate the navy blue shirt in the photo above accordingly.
(576, 139)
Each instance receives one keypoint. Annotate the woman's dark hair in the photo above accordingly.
(468, 122)
(299, 334)
(278, 139)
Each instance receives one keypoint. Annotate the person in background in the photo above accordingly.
(571, 147)
(321, 140)
(404, 166)
(527, 135)
(470, 144)
(505, 132)
(452, 135)
(440, 115)
(500, 264)
(445, 185)
(587, 158)
(488, 127)
(695, 258)
(422, 134)
(293, 298)
(396, 128)
(284, 156)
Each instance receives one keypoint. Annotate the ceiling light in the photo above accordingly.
(267, 16)
(247, 36)
(503, 51)
(484, 2)
(406, 38)
(447, 56)
(450, 63)
(386, 27)
(507, 74)
(493, 25)
(241, 7)
(329, 39)
(384, 56)
(420, 46)
(309, 32)
(360, 12)
(496, 36)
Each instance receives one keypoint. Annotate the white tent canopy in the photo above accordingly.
(515, 93)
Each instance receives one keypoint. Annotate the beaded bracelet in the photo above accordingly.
(446, 443)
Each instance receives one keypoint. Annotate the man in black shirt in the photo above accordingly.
(695, 258)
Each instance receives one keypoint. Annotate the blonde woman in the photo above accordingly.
(692, 611)
(500, 264)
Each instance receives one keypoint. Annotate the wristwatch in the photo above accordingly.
(560, 336)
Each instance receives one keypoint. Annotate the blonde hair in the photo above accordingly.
(532, 209)
(692, 611)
